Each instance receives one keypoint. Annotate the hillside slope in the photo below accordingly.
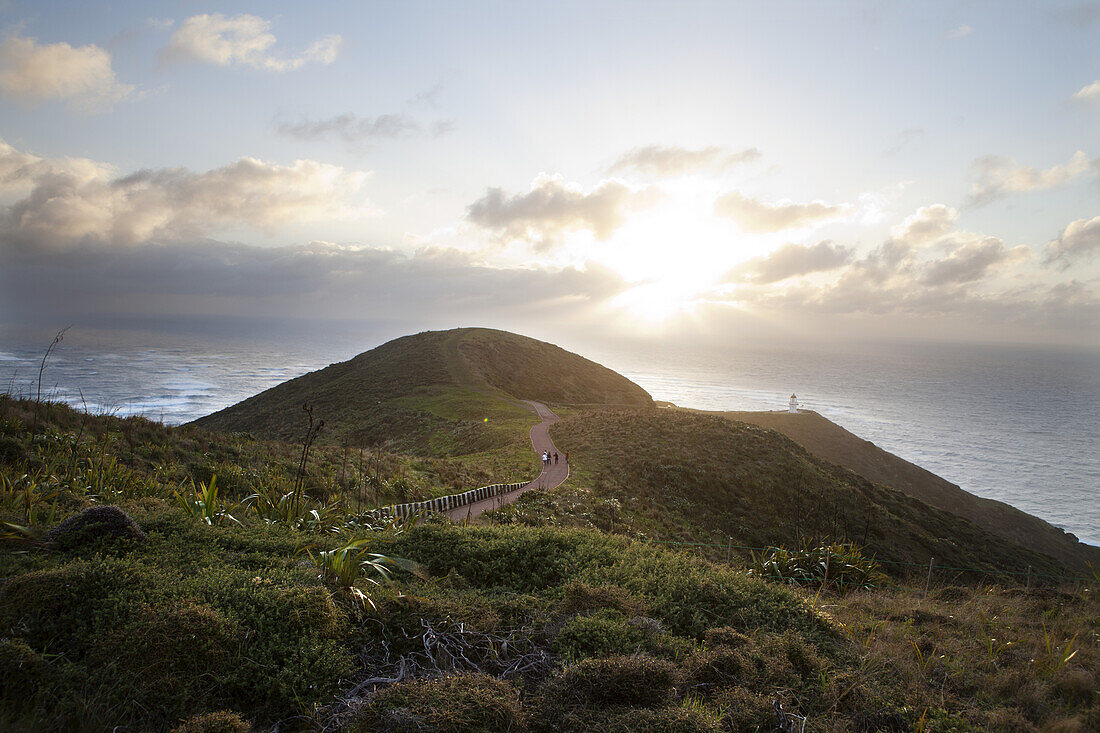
(701, 474)
(437, 392)
(831, 442)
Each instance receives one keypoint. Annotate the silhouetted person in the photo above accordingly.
(555, 458)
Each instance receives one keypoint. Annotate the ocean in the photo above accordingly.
(1017, 424)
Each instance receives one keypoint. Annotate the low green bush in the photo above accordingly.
(639, 680)
(661, 720)
(602, 633)
(94, 523)
(716, 666)
(462, 703)
(580, 597)
(22, 672)
(725, 636)
(222, 721)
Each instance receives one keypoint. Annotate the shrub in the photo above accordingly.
(745, 710)
(725, 636)
(600, 634)
(842, 566)
(720, 665)
(170, 659)
(92, 524)
(580, 597)
(663, 720)
(635, 680)
(455, 704)
(792, 649)
(21, 672)
(223, 721)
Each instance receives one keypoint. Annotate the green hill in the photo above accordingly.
(434, 393)
(832, 443)
(694, 476)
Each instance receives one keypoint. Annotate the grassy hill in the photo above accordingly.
(435, 393)
(680, 474)
(834, 444)
(195, 621)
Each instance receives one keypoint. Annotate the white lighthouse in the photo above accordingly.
(793, 408)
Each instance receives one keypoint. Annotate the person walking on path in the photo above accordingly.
(551, 476)
(555, 458)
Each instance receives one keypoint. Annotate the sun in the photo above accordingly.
(674, 255)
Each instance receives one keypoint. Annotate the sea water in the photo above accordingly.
(1017, 424)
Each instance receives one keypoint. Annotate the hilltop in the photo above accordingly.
(832, 443)
(433, 393)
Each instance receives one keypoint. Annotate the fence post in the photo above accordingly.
(928, 581)
(1028, 577)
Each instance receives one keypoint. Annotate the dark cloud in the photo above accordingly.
(318, 280)
(663, 160)
(553, 206)
(761, 216)
(1080, 240)
(791, 260)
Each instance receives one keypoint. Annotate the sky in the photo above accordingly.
(720, 170)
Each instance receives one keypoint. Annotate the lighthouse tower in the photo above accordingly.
(793, 409)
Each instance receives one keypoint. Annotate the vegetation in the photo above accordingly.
(678, 475)
(437, 393)
(156, 578)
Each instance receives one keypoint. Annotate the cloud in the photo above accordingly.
(970, 262)
(429, 96)
(662, 160)
(926, 224)
(553, 206)
(998, 176)
(791, 260)
(70, 202)
(31, 73)
(1079, 240)
(904, 138)
(961, 31)
(241, 39)
(352, 128)
(761, 216)
(1089, 92)
(923, 269)
(318, 280)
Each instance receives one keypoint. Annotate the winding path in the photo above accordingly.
(552, 476)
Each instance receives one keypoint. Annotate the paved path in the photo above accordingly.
(551, 476)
